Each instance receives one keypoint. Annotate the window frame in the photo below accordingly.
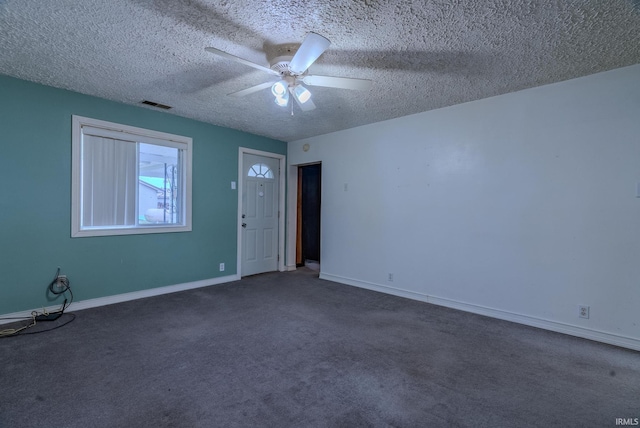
(140, 135)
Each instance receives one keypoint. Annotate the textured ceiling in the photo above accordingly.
(421, 55)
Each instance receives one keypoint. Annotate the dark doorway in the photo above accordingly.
(308, 233)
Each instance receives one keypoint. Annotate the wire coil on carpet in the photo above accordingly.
(58, 286)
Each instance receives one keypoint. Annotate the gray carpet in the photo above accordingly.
(291, 350)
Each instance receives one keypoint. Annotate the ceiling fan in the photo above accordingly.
(293, 72)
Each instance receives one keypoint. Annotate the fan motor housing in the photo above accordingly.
(281, 64)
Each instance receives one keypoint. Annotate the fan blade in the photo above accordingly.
(241, 61)
(306, 106)
(251, 90)
(311, 48)
(338, 82)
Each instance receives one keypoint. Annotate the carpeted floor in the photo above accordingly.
(291, 350)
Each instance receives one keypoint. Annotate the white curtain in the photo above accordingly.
(109, 182)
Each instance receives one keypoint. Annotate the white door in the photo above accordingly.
(260, 196)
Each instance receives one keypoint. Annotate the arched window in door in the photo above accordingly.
(260, 170)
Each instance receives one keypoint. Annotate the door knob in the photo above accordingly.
(244, 224)
(243, 215)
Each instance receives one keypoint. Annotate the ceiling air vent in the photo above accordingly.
(158, 105)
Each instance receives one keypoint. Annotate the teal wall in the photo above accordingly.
(35, 202)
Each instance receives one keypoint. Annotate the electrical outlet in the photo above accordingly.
(61, 280)
(583, 311)
(390, 277)
(221, 267)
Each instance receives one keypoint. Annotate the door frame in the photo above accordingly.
(282, 162)
(292, 205)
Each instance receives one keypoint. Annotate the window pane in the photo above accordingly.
(260, 170)
(159, 184)
(108, 182)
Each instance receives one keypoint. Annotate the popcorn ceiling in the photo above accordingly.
(421, 55)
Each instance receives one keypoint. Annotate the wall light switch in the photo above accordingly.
(233, 185)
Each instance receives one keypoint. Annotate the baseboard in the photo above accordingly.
(599, 336)
(125, 297)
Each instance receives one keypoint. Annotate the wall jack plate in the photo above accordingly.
(60, 282)
(583, 311)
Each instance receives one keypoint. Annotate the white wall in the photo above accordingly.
(521, 206)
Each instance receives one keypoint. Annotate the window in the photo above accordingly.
(128, 180)
(260, 170)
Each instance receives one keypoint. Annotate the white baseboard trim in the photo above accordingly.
(598, 336)
(125, 297)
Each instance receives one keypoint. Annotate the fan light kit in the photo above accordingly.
(293, 72)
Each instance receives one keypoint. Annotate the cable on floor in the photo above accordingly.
(59, 286)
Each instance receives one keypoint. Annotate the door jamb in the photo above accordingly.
(292, 200)
(281, 204)
(292, 218)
